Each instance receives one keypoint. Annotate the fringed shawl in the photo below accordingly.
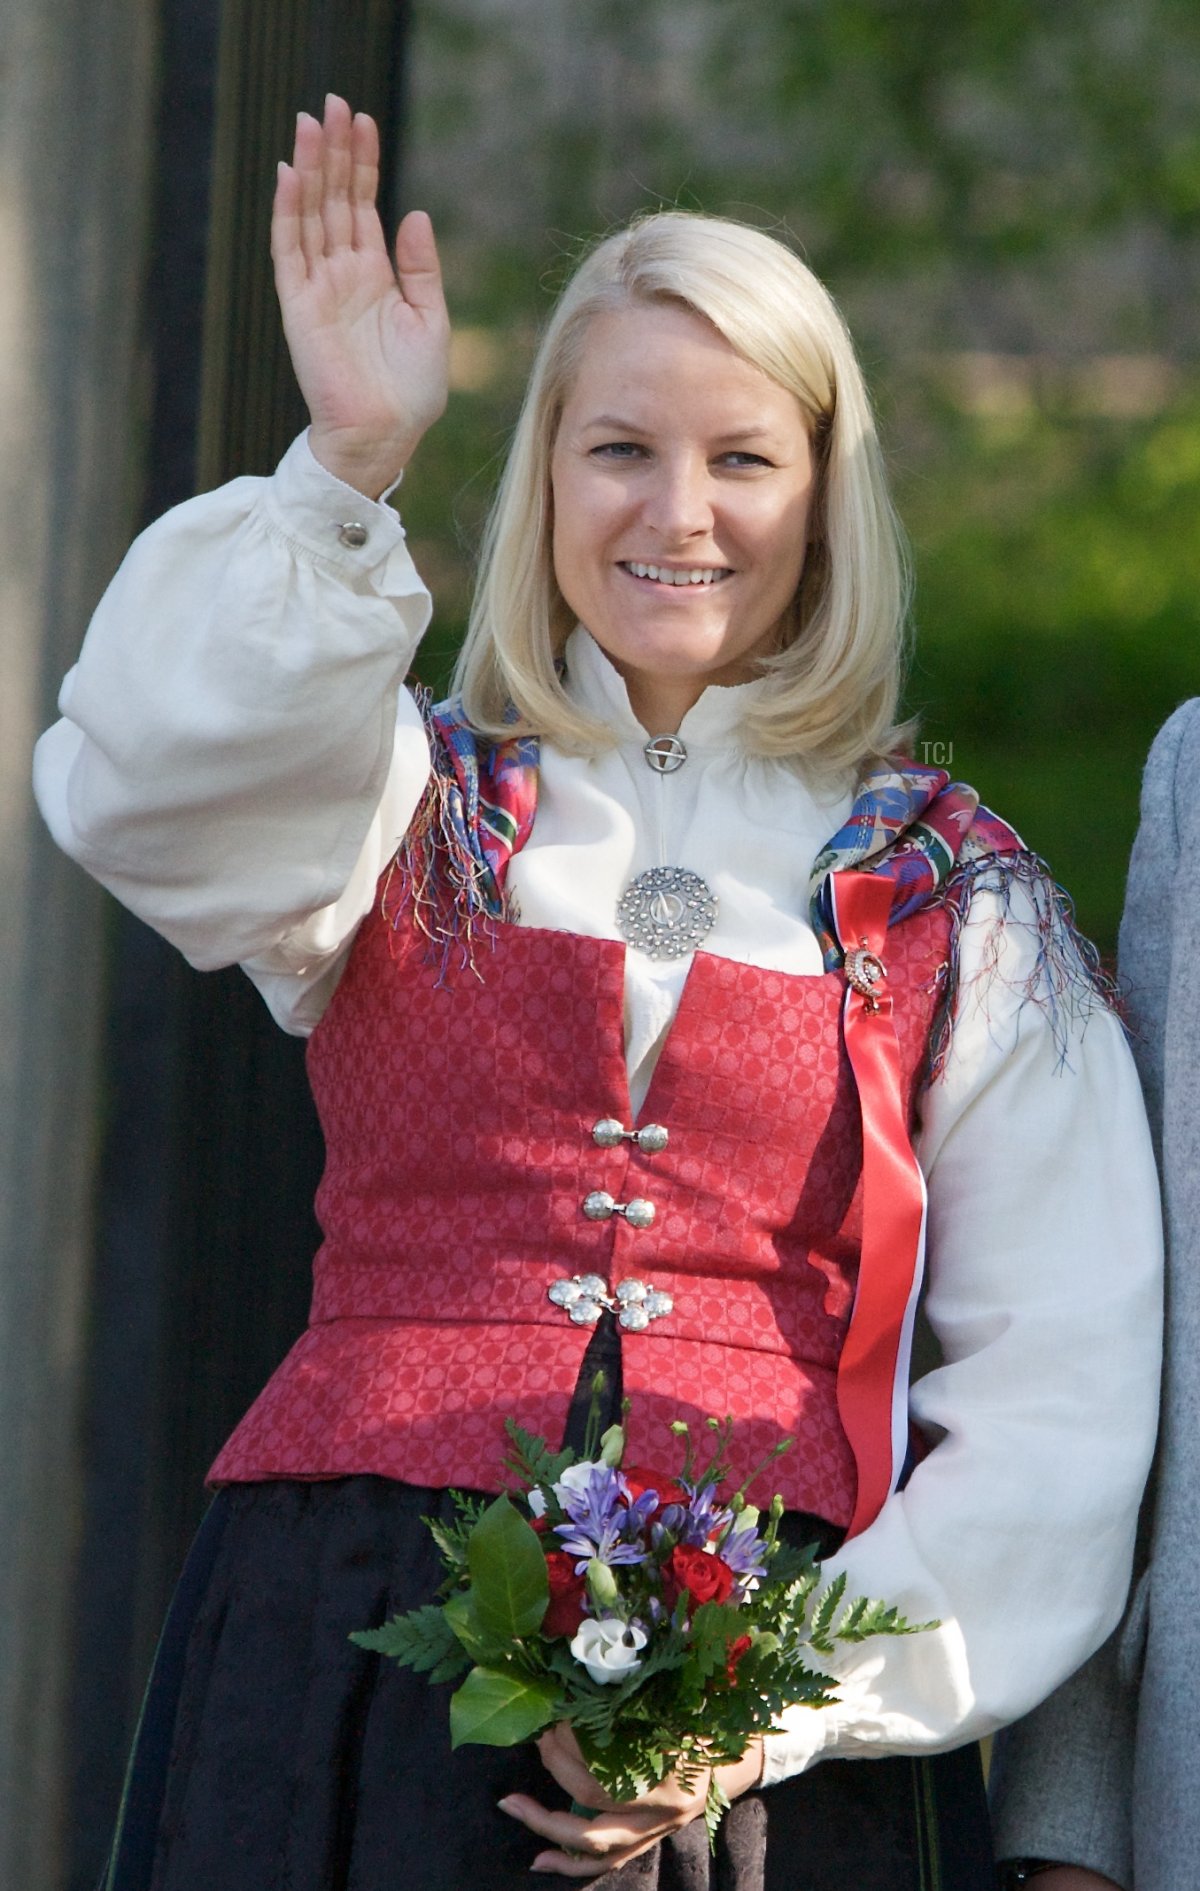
(935, 841)
(911, 825)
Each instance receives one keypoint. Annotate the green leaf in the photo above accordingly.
(509, 1585)
(451, 1537)
(531, 1458)
(864, 1618)
(419, 1640)
(822, 1617)
(455, 1664)
(714, 1626)
(788, 1565)
(493, 1709)
(716, 1805)
(463, 1622)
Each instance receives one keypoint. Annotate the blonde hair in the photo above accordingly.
(836, 681)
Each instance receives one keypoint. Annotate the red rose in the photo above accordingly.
(640, 1480)
(739, 1646)
(567, 1591)
(698, 1574)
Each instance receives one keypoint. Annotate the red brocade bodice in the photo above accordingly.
(458, 1123)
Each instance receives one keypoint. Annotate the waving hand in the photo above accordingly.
(369, 343)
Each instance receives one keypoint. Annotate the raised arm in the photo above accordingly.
(237, 758)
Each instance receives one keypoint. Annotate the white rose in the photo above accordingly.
(576, 1477)
(610, 1649)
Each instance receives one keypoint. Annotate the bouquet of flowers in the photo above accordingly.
(662, 1618)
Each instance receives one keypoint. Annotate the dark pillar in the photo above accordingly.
(212, 1151)
(75, 147)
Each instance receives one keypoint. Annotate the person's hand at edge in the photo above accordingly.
(369, 342)
(586, 1848)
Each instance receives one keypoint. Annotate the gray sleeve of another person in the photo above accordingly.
(1072, 1781)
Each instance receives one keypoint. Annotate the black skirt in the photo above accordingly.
(275, 1755)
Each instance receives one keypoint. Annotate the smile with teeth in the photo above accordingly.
(685, 574)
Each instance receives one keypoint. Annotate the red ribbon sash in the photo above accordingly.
(873, 1372)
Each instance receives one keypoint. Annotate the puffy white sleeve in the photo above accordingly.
(236, 758)
(1016, 1532)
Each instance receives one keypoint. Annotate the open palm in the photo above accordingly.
(369, 343)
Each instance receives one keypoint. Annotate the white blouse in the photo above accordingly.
(237, 760)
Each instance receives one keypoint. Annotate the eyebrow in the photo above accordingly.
(615, 424)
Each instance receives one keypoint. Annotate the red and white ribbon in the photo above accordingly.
(873, 1371)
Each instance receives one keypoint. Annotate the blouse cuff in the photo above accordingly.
(801, 1737)
(311, 511)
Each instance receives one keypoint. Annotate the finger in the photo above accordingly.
(417, 263)
(286, 252)
(364, 183)
(573, 1776)
(339, 165)
(568, 1865)
(562, 1738)
(573, 1861)
(309, 164)
(600, 1837)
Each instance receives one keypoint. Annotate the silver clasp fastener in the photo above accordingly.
(665, 753)
(585, 1296)
(600, 1206)
(651, 1139)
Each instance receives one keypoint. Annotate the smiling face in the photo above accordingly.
(683, 480)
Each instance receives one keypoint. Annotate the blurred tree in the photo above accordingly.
(1006, 200)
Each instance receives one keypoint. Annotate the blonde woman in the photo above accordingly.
(647, 956)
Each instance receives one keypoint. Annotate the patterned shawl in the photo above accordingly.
(910, 824)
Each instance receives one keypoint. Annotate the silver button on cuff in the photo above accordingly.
(353, 534)
(652, 1139)
(600, 1206)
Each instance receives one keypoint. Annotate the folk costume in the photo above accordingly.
(886, 1040)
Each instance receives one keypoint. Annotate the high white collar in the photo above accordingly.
(595, 684)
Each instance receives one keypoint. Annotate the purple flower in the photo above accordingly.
(745, 1553)
(600, 1517)
(704, 1517)
(639, 1513)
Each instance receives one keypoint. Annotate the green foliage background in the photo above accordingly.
(1005, 199)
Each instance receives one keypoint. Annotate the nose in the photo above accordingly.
(678, 502)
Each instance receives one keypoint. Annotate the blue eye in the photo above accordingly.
(745, 459)
(617, 450)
